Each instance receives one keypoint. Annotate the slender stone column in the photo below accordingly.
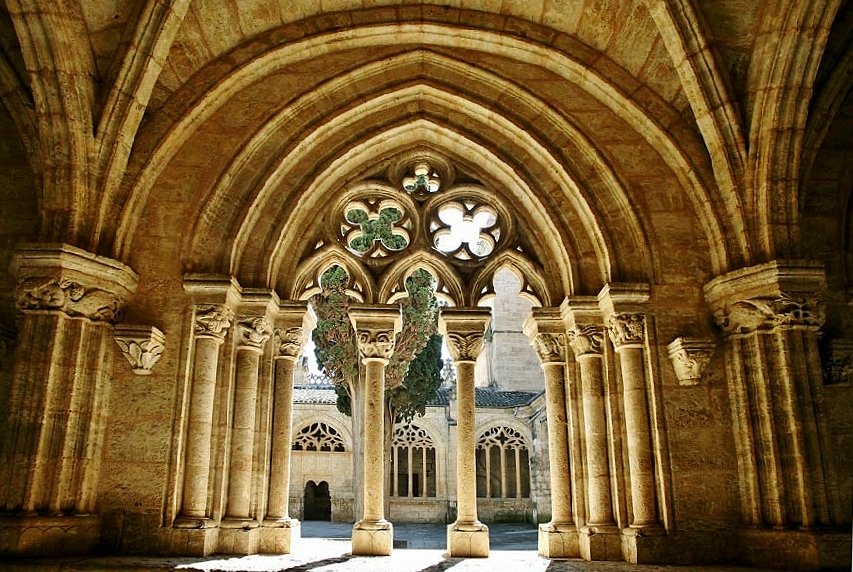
(375, 329)
(770, 316)
(627, 332)
(214, 298)
(239, 533)
(546, 332)
(464, 329)
(293, 326)
(51, 443)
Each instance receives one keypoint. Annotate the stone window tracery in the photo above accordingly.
(319, 437)
(375, 228)
(465, 229)
(412, 463)
(503, 464)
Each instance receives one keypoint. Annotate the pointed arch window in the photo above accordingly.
(503, 464)
(319, 437)
(412, 463)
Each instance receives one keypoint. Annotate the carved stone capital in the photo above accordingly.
(777, 294)
(545, 330)
(376, 329)
(288, 342)
(550, 348)
(464, 329)
(254, 332)
(293, 325)
(213, 320)
(586, 339)
(142, 346)
(764, 314)
(464, 347)
(689, 358)
(58, 278)
(626, 329)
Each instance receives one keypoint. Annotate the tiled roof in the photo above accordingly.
(315, 394)
(486, 397)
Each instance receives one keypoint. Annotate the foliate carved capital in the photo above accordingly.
(465, 347)
(586, 339)
(288, 342)
(254, 332)
(626, 329)
(213, 321)
(142, 346)
(550, 347)
(689, 358)
(788, 310)
(57, 294)
(376, 343)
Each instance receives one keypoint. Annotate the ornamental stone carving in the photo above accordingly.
(626, 329)
(375, 343)
(213, 320)
(288, 342)
(586, 339)
(465, 347)
(56, 294)
(788, 310)
(254, 332)
(142, 346)
(550, 347)
(690, 357)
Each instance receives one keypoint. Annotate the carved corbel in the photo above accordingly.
(142, 346)
(690, 357)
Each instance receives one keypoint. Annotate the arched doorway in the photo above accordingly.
(316, 502)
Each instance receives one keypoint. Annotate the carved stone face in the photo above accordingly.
(376, 343)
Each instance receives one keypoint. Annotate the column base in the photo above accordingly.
(644, 544)
(797, 549)
(468, 540)
(277, 536)
(600, 542)
(372, 538)
(193, 536)
(40, 535)
(239, 536)
(558, 541)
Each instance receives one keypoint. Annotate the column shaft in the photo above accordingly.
(466, 468)
(279, 494)
(558, 443)
(638, 435)
(374, 437)
(200, 427)
(595, 439)
(243, 434)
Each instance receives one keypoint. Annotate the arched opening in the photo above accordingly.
(316, 501)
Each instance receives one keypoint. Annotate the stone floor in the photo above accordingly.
(324, 548)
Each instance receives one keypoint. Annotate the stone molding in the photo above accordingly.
(213, 320)
(254, 332)
(586, 339)
(777, 294)
(464, 330)
(626, 329)
(294, 322)
(690, 357)
(59, 278)
(142, 346)
(376, 329)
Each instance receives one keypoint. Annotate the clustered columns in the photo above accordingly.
(212, 316)
(293, 325)
(52, 442)
(544, 328)
(599, 536)
(463, 329)
(770, 316)
(376, 328)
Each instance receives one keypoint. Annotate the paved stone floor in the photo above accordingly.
(324, 547)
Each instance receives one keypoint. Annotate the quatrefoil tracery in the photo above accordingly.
(375, 228)
(465, 229)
